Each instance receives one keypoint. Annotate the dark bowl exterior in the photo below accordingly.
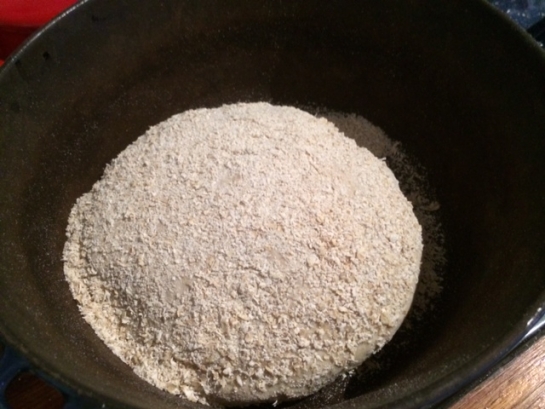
(459, 86)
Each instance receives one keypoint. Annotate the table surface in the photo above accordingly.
(519, 384)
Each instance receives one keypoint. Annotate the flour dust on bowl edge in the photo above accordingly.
(468, 105)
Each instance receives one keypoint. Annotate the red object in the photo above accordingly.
(20, 18)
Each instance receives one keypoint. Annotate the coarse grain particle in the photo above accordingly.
(245, 253)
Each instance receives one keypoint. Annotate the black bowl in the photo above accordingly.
(460, 86)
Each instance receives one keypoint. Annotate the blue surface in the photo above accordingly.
(10, 365)
(525, 12)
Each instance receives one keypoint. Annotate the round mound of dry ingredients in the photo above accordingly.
(245, 253)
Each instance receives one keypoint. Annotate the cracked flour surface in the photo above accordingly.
(245, 253)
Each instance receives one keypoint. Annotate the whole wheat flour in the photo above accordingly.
(245, 253)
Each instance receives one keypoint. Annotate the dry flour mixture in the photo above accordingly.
(245, 253)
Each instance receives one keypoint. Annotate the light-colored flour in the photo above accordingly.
(245, 253)
(413, 182)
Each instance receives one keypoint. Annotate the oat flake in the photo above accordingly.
(245, 253)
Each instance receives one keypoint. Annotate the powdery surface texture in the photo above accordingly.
(245, 253)
(413, 181)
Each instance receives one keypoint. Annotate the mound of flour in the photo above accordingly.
(245, 253)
